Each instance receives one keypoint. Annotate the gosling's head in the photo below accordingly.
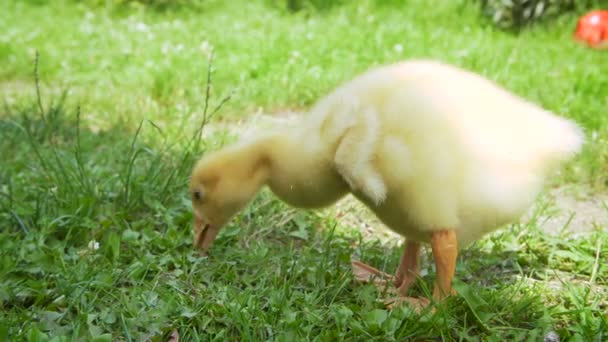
(222, 183)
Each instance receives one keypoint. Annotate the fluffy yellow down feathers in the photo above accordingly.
(428, 147)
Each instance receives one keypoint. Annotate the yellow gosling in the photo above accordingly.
(439, 154)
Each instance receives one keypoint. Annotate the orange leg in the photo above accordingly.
(445, 251)
(408, 267)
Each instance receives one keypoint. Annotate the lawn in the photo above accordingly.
(95, 220)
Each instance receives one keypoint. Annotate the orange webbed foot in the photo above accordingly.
(367, 274)
(417, 304)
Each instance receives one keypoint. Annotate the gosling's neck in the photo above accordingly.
(299, 171)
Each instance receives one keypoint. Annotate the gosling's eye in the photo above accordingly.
(197, 195)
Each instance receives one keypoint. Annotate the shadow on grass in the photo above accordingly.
(519, 282)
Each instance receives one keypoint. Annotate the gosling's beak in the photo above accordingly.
(204, 234)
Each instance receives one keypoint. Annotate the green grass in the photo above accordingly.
(110, 161)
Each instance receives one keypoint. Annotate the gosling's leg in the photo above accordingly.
(404, 276)
(445, 251)
(408, 269)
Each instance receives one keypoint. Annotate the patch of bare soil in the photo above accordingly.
(10, 91)
(565, 209)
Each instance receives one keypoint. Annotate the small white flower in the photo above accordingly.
(398, 48)
(164, 49)
(93, 245)
(141, 27)
(205, 46)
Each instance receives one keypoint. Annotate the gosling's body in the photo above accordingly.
(426, 146)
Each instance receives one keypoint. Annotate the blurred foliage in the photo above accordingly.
(306, 5)
(516, 14)
(506, 14)
(294, 6)
(155, 4)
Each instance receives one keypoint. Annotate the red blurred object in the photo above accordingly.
(592, 29)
